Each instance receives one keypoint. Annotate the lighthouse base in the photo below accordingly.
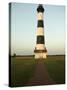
(40, 55)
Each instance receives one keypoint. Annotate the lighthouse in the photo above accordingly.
(40, 50)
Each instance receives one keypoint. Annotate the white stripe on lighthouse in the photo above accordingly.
(40, 31)
(40, 16)
(40, 46)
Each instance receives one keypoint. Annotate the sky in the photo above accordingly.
(24, 26)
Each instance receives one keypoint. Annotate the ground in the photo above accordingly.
(24, 69)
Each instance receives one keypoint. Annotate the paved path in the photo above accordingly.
(41, 76)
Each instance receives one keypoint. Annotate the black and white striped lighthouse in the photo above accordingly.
(40, 49)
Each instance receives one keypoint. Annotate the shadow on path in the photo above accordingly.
(41, 76)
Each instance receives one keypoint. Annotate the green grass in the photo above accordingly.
(56, 68)
(22, 69)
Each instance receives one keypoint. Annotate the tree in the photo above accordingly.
(14, 54)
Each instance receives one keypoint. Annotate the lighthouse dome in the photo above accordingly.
(40, 8)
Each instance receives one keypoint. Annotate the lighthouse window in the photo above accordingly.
(40, 39)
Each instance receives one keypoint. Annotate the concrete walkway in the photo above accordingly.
(41, 76)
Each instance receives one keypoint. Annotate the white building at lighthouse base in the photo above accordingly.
(40, 55)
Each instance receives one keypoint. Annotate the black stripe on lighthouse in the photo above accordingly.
(40, 39)
(40, 23)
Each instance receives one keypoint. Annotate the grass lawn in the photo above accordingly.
(56, 68)
(22, 69)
